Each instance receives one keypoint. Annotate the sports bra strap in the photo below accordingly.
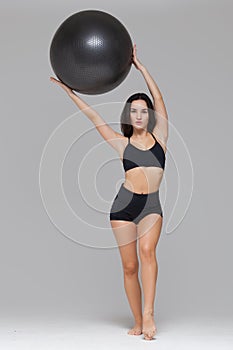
(128, 139)
(153, 136)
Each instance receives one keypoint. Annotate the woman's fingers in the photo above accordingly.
(135, 54)
(66, 88)
(56, 81)
(135, 50)
(135, 60)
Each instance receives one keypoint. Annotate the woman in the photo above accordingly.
(136, 213)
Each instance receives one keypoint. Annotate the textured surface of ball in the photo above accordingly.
(91, 52)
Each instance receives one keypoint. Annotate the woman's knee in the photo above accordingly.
(131, 267)
(146, 252)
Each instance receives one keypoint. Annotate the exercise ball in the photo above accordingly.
(91, 52)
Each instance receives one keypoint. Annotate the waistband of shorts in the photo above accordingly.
(151, 194)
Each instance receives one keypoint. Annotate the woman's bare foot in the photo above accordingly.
(149, 328)
(136, 330)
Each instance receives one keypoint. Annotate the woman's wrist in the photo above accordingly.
(142, 68)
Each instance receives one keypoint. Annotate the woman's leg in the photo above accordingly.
(149, 229)
(126, 235)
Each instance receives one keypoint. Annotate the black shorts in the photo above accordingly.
(131, 206)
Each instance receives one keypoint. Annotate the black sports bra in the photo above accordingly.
(134, 157)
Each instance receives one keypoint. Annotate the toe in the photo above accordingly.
(148, 336)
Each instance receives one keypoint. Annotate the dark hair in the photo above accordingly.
(126, 126)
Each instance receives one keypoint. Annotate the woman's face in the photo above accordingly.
(139, 114)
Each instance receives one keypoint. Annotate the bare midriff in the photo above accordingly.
(143, 179)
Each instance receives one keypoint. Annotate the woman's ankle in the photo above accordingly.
(148, 311)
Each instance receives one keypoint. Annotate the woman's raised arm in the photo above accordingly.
(161, 127)
(110, 135)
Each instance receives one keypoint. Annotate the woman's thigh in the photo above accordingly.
(125, 233)
(149, 230)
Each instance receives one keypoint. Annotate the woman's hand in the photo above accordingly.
(64, 87)
(136, 62)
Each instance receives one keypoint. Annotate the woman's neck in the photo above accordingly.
(140, 134)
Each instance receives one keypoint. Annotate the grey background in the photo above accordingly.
(187, 47)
